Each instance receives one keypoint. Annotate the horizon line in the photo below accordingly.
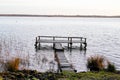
(37, 15)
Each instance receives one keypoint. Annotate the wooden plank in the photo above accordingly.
(58, 37)
(63, 61)
(59, 41)
(67, 69)
(68, 40)
(64, 64)
(58, 46)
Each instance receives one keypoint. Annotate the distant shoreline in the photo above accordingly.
(84, 16)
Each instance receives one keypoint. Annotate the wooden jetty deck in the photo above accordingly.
(57, 41)
(63, 64)
(60, 40)
(58, 47)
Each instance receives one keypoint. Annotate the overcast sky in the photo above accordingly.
(60, 7)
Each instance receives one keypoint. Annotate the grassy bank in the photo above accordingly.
(65, 75)
(95, 64)
(91, 76)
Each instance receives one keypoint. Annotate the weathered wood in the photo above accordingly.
(65, 65)
(85, 43)
(58, 39)
(39, 43)
(53, 42)
(58, 47)
(68, 42)
(36, 43)
(85, 40)
(71, 43)
(63, 62)
(80, 44)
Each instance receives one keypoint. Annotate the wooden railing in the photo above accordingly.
(60, 39)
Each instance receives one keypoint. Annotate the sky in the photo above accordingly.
(60, 7)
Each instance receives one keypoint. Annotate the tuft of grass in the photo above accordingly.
(13, 65)
(96, 63)
(111, 67)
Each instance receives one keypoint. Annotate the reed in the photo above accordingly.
(13, 53)
(13, 65)
(111, 67)
(96, 63)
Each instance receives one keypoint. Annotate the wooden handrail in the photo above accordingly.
(59, 37)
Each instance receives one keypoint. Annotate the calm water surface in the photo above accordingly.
(103, 37)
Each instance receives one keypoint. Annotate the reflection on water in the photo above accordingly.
(44, 60)
(77, 59)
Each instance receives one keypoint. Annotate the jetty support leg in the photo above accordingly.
(71, 44)
(81, 44)
(39, 45)
(53, 43)
(36, 43)
(85, 43)
(68, 43)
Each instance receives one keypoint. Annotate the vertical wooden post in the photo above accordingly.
(81, 43)
(85, 40)
(36, 42)
(85, 44)
(68, 43)
(53, 43)
(71, 43)
(39, 42)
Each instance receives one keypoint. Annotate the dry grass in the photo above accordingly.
(13, 65)
(13, 53)
(96, 63)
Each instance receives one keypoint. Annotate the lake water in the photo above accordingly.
(103, 38)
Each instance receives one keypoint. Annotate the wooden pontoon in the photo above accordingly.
(57, 41)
